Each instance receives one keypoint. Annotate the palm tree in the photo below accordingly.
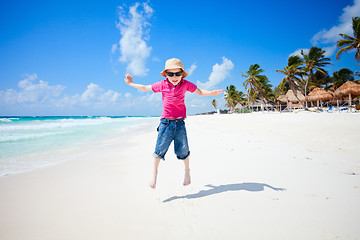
(314, 60)
(255, 82)
(267, 87)
(348, 42)
(292, 72)
(323, 80)
(278, 91)
(242, 98)
(340, 77)
(233, 97)
(214, 103)
(229, 96)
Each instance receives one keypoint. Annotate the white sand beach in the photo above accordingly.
(254, 176)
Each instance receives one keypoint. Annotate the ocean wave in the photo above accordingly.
(56, 124)
(24, 137)
(6, 120)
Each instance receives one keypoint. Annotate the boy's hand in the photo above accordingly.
(128, 79)
(216, 92)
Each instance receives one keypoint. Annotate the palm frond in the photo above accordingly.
(346, 37)
(356, 26)
(345, 49)
(357, 54)
(342, 43)
(294, 61)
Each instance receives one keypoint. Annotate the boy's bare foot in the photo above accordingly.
(187, 179)
(152, 183)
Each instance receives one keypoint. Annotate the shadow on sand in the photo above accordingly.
(251, 187)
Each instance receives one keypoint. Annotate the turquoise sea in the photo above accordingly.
(23, 140)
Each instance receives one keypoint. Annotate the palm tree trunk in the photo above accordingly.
(307, 81)
(293, 87)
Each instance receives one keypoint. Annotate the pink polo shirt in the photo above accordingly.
(173, 97)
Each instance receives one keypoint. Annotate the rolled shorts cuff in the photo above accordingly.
(157, 156)
(184, 157)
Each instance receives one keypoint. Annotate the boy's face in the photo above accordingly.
(174, 80)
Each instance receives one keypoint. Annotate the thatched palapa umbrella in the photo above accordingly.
(291, 96)
(350, 89)
(319, 94)
(282, 98)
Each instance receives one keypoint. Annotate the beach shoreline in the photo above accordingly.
(254, 176)
(63, 144)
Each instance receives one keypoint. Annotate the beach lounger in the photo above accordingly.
(331, 109)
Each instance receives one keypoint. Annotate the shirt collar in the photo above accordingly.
(168, 82)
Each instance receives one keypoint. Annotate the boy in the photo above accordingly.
(172, 125)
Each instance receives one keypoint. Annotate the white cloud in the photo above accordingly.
(31, 91)
(95, 95)
(219, 73)
(35, 94)
(36, 97)
(328, 38)
(134, 29)
(329, 51)
(152, 98)
(298, 52)
(191, 69)
(91, 92)
(114, 48)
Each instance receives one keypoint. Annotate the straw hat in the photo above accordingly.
(173, 63)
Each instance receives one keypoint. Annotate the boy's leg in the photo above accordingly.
(155, 172)
(163, 142)
(181, 148)
(187, 179)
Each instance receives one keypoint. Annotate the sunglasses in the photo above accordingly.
(171, 74)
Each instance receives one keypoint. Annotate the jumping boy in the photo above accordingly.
(172, 125)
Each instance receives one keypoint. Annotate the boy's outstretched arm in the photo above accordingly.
(203, 92)
(129, 81)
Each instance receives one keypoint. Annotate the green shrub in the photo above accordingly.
(242, 110)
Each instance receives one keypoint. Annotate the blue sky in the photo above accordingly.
(70, 57)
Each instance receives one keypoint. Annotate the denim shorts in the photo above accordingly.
(172, 130)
